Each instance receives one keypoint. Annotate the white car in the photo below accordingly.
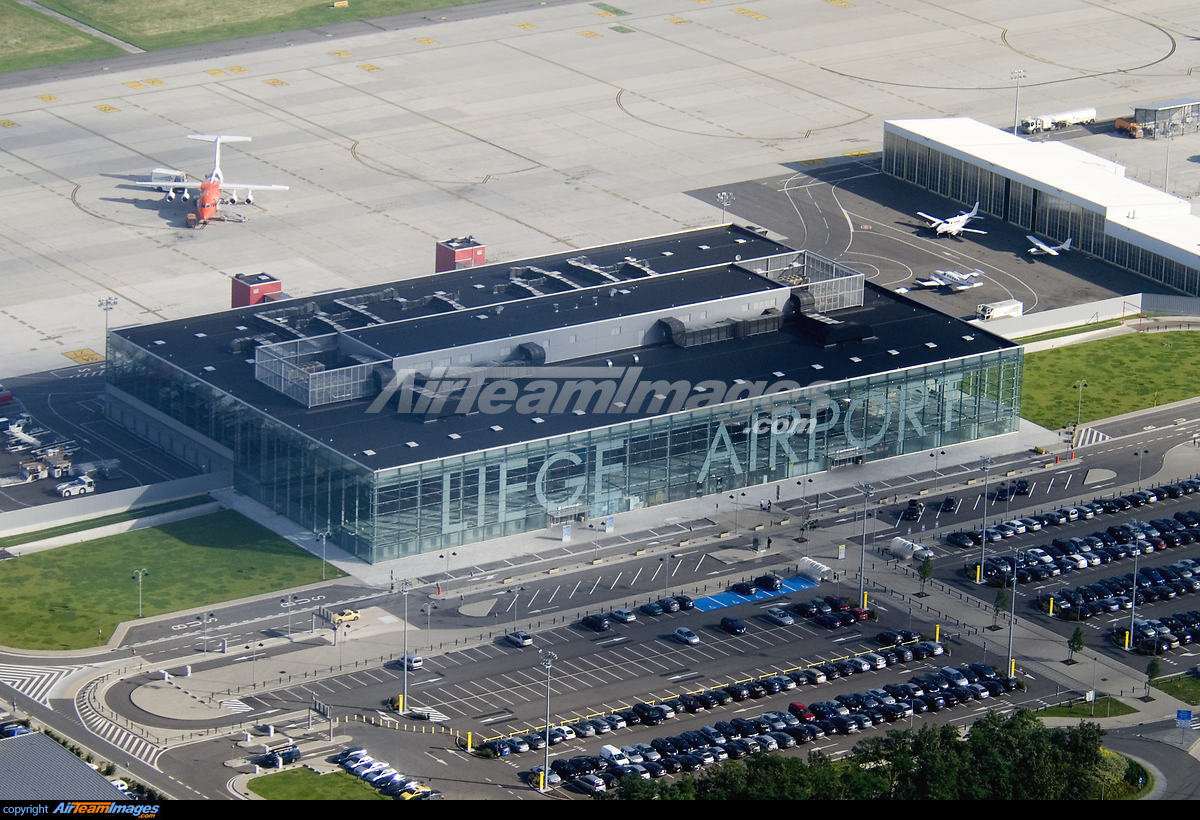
(1078, 560)
(779, 616)
(518, 638)
(1039, 555)
(623, 616)
(1016, 526)
(686, 636)
(1031, 524)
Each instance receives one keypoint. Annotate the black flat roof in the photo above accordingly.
(905, 334)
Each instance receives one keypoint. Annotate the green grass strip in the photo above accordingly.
(305, 784)
(32, 40)
(93, 523)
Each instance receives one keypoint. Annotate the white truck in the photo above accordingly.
(80, 486)
(907, 550)
(998, 310)
(1063, 119)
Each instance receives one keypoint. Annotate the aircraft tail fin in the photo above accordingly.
(1066, 246)
(216, 140)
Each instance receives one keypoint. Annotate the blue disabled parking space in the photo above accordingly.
(726, 599)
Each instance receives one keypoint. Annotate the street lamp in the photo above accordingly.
(106, 304)
(725, 199)
(1012, 622)
(986, 467)
(666, 559)
(936, 475)
(448, 556)
(253, 662)
(546, 662)
(405, 586)
(204, 616)
(140, 574)
(515, 592)
(734, 498)
(1018, 75)
(428, 610)
(289, 602)
(1079, 408)
(867, 490)
(1139, 455)
(324, 536)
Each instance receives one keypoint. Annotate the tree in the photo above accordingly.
(1075, 643)
(1002, 604)
(1153, 670)
(926, 573)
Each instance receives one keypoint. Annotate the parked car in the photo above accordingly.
(733, 626)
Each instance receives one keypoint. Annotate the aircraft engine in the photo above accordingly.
(186, 194)
(170, 196)
(249, 199)
(233, 199)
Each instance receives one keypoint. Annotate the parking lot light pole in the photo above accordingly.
(405, 586)
(547, 662)
(289, 602)
(204, 616)
(1018, 75)
(1079, 407)
(1139, 455)
(986, 468)
(867, 490)
(139, 574)
(1012, 622)
(936, 475)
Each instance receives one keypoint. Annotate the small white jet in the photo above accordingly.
(955, 225)
(952, 279)
(1040, 248)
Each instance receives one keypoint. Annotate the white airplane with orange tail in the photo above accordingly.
(207, 203)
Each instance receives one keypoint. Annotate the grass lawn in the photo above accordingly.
(1105, 707)
(1123, 374)
(1184, 687)
(31, 40)
(167, 23)
(305, 784)
(57, 599)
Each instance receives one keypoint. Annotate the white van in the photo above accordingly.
(614, 755)
(413, 662)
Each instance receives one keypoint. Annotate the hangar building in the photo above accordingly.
(488, 401)
(1052, 189)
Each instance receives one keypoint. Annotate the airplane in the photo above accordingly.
(955, 225)
(1040, 248)
(207, 210)
(952, 279)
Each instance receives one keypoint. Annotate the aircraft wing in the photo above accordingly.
(933, 220)
(193, 184)
(242, 186)
(934, 282)
(966, 286)
(970, 230)
(1040, 247)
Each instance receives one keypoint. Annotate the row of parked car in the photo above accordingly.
(1065, 555)
(740, 737)
(383, 777)
(895, 647)
(601, 622)
(1064, 515)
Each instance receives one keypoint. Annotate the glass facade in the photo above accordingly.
(1027, 207)
(468, 499)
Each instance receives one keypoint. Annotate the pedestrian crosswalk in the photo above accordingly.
(35, 681)
(1088, 435)
(236, 705)
(133, 743)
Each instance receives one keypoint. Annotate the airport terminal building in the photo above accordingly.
(1052, 189)
(451, 409)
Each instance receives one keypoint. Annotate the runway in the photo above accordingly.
(534, 129)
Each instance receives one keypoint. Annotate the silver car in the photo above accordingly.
(779, 617)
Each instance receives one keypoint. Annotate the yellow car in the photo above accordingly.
(345, 616)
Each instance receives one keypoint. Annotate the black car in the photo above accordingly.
(962, 540)
(949, 503)
(721, 696)
(670, 764)
(806, 609)
(743, 588)
(733, 626)
(738, 691)
(597, 623)
(770, 583)
(828, 621)
(757, 690)
(685, 603)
